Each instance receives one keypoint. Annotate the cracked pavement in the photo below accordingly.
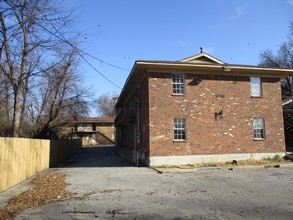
(106, 187)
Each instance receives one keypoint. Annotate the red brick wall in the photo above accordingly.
(231, 134)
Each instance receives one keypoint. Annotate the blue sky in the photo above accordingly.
(121, 32)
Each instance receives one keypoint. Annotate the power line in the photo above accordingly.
(98, 70)
(102, 61)
(79, 53)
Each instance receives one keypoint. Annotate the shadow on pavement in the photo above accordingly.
(96, 156)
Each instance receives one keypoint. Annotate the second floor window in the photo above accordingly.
(178, 84)
(255, 85)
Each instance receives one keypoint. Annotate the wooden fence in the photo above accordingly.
(20, 158)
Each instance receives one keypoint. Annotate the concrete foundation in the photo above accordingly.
(193, 159)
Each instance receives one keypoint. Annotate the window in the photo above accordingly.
(178, 84)
(258, 128)
(179, 129)
(255, 84)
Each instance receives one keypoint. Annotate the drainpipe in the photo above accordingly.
(137, 130)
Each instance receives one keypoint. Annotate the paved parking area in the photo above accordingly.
(105, 187)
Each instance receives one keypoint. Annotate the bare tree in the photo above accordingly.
(106, 103)
(32, 33)
(57, 99)
(283, 59)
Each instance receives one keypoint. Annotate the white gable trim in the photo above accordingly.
(188, 59)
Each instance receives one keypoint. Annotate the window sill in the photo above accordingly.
(256, 96)
(259, 139)
(177, 94)
(179, 141)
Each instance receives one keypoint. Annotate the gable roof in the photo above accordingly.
(202, 63)
(202, 58)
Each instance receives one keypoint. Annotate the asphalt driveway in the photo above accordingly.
(106, 187)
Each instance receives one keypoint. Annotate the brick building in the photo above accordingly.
(199, 109)
(93, 130)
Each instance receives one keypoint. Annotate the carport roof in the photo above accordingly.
(94, 120)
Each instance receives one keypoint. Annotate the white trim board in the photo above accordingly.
(193, 159)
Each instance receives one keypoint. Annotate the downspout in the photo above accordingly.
(138, 134)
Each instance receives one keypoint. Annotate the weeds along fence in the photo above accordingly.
(21, 158)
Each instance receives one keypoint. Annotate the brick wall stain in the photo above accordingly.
(205, 95)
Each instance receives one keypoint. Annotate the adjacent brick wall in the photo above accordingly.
(231, 134)
(108, 130)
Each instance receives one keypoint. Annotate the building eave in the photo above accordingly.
(218, 69)
(141, 68)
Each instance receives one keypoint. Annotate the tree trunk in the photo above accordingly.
(16, 113)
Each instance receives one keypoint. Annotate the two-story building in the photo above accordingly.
(199, 109)
(93, 130)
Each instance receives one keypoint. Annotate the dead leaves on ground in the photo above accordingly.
(47, 189)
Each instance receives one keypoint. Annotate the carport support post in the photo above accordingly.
(291, 84)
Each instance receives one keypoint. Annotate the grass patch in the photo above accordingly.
(266, 160)
(275, 159)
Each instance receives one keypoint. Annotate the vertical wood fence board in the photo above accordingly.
(31, 157)
(44, 150)
(3, 163)
(12, 168)
(20, 158)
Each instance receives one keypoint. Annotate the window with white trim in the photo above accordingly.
(179, 127)
(255, 86)
(258, 128)
(178, 83)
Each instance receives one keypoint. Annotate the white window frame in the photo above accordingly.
(178, 83)
(179, 129)
(259, 132)
(255, 87)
